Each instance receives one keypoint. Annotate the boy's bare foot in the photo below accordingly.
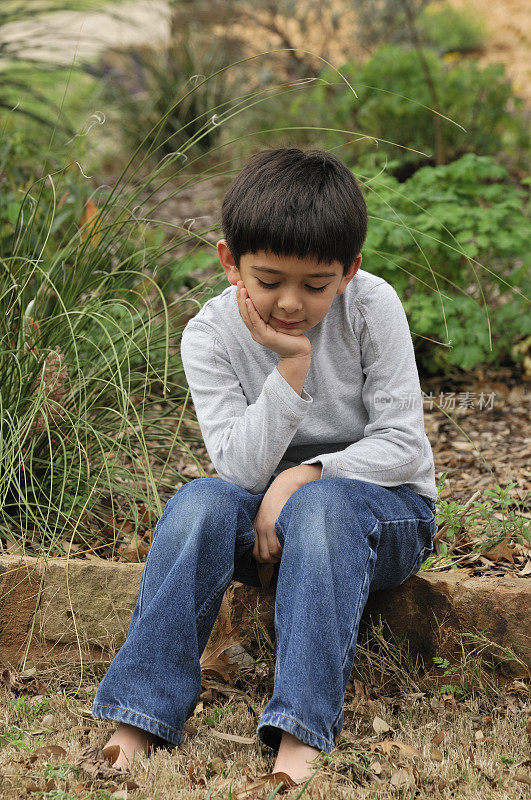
(132, 741)
(292, 758)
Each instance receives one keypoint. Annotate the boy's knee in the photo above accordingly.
(201, 495)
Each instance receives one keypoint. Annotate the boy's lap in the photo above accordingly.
(401, 522)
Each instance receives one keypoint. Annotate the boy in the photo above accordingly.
(304, 381)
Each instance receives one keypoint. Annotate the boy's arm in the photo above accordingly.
(245, 442)
(394, 437)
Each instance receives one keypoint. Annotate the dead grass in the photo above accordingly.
(467, 743)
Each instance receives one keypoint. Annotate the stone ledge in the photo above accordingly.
(72, 608)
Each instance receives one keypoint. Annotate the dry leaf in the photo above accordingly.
(89, 218)
(217, 765)
(231, 737)
(387, 745)
(401, 777)
(376, 767)
(50, 750)
(501, 551)
(134, 550)
(216, 663)
(380, 725)
(523, 778)
(435, 754)
(96, 765)
(192, 773)
(111, 753)
(438, 738)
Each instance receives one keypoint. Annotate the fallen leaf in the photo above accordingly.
(134, 550)
(50, 750)
(216, 663)
(401, 777)
(501, 551)
(96, 765)
(521, 777)
(380, 725)
(387, 745)
(436, 755)
(231, 737)
(217, 765)
(192, 773)
(376, 767)
(438, 738)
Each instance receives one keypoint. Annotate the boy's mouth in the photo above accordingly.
(288, 324)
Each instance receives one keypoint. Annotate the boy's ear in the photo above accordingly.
(227, 262)
(345, 280)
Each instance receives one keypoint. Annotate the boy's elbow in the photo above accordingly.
(239, 474)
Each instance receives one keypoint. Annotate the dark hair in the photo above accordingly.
(291, 202)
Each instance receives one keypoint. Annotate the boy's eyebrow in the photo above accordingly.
(309, 274)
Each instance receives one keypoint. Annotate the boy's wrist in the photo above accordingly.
(302, 473)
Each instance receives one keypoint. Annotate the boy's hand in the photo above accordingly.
(267, 549)
(281, 343)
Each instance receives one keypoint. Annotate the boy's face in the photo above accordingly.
(284, 288)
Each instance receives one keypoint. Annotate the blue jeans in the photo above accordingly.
(340, 539)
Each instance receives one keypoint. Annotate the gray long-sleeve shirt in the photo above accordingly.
(360, 413)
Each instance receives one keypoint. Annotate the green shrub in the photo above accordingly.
(451, 30)
(411, 232)
(394, 106)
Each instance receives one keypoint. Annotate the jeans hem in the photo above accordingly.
(119, 714)
(271, 738)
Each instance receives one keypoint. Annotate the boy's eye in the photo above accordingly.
(272, 285)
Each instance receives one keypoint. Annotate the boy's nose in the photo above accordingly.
(290, 304)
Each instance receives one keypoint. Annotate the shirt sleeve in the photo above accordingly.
(390, 451)
(245, 442)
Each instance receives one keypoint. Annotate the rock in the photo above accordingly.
(432, 610)
(75, 607)
(69, 607)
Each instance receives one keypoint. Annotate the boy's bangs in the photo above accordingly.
(291, 203)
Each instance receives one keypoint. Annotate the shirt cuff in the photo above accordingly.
(328, 460)
(297, 404)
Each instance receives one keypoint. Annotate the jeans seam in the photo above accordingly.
(138, 714)
(264, 721)
(209, 602)
(359, 603)
(406, 519)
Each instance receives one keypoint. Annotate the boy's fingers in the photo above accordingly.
(253, 313)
